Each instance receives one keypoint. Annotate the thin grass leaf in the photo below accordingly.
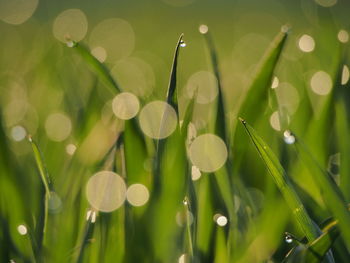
(284, 185)
(343, 142)
(45, 178)
(318, 250)
(172, 91)
(330, 193)
(87, 235)
(220, 121)
(97, 67)
(222, 175)
(257, 96)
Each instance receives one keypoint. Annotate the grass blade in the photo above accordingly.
(220, 121)
(47, 185)
(330, 193)
(172, 91)
(284, 185)
(257, 96)
(97, 67)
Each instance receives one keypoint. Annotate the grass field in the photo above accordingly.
(174, 131)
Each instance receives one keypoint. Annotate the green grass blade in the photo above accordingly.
(47, 185)
(330, 193)
(316, 251)
(220, 121)
(97, 67)
(256, 98)
(343, 142)
(172, 91)
(282, 181)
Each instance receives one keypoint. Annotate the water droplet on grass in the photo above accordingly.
(289, 138)
(288, 238)
(182, 43)
(22, 230)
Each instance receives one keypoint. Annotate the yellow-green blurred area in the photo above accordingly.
(49, 93)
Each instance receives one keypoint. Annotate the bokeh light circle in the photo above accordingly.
(326, 3)
(137, 194)
(288, 97)
(343, 36)
(58, 127)
(71, 24)
(345, 75)
(306, 43)
(275, 121)
(106, 191)
(99, 53)
(205, 84)
(16, 12)
(116, 36)
(158, 119)
(208, 152)
(125, 105)
(321, 83)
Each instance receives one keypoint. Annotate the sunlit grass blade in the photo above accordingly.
(172, 91)
(330, 193)
(283, 183)
(220, 121)
(204, 218)
(317, 250)
(256, 98)
(343, 142)
(220, 129)
(221, 251)
(45, 178)
(86, 235)
(98, 68)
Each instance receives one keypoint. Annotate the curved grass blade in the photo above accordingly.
(257, 96)
(284, 185)
(318, 250)
(330, 193)
(343, 142)
(45, 178)
(172, 100)
(97, 67)
(220, 128)
(220, 121)
(172, 91)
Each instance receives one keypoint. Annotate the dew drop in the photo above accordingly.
(70, 43)
(185, 201)
(182, 43)
(289, 138)
(22, 230)
(289, 239)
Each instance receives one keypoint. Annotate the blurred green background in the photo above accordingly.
(48, 92)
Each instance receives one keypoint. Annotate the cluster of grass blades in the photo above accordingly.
(213, 218)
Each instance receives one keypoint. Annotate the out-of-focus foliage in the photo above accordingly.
(120, 139)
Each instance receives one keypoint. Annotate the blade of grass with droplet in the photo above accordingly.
(330, 193)
(316, 251)
(45, 178)
(171, 98)
(284, 185)
(97, 67)
(172, 91)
